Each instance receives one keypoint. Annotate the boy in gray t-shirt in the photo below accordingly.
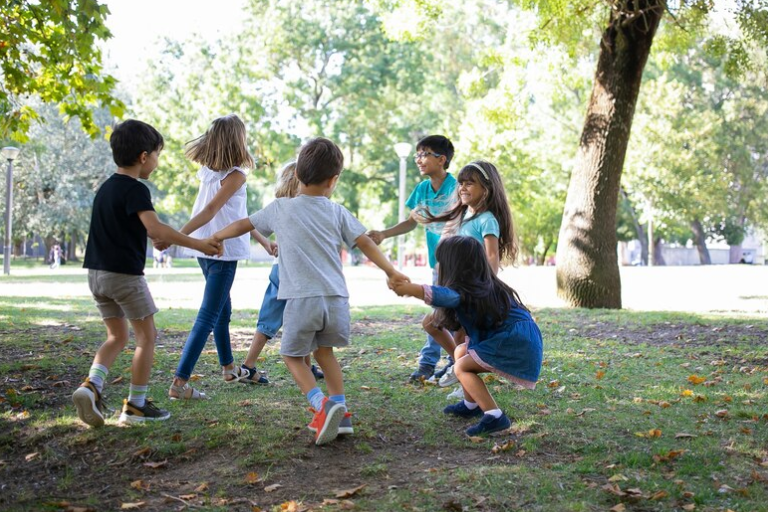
(311, 229)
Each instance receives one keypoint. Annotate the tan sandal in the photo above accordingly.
(186, 392)
(237, 373)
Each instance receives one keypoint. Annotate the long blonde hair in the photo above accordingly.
(222, 146)
(287, 183)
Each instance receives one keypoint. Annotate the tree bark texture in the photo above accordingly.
(700, 240)
(587, 260)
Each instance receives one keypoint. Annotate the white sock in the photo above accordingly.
(97, 375)
(470, 405)
(496, 413)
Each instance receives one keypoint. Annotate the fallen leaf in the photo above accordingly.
(722, 413)
(553, 384)
(618, 478)
(600, 374)
(348, 493)
(476, 439)
(659, 495)
(196, 377)
(695, 379)
(138, 504)
(613, 489)
(618, 508)
(156, 465)
(689, 506)
(684, 435)
(686, 392)
(31, 456)
(272, 488)
(503, 447)
(365, 388)
(202, 487)
(141, 453)
(138, 485)
(188, 497)
(116, 380)
(252, 478)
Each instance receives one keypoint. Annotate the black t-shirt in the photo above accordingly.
(117, 239)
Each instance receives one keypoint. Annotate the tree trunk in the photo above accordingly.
(587, 260)
(72, 247)
(658, 256)
(700, 239)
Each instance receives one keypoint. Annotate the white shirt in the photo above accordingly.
(234, 209)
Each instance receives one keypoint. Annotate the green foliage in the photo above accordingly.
(49, 51)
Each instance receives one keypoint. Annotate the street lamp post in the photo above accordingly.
(403, 149)
(9, 153)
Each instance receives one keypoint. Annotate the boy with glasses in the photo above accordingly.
(433, 157)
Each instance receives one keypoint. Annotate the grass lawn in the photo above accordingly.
(634, 411)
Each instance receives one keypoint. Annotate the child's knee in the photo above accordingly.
(461, 351)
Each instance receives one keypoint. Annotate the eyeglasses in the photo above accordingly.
(421, 155)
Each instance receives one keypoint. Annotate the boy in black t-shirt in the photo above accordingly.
(115, 255)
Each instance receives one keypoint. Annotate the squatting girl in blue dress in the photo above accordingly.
(503, 337)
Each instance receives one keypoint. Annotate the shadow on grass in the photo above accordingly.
(580, 441)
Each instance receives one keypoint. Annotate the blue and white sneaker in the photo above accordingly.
(461, 410)
(488, 425)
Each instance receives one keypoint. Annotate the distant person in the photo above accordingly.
(115, 256)
(158, 257)
(503, 338)
(55, 256)
(311, 229)
(271, 311)
(433, 158)
(223, 153)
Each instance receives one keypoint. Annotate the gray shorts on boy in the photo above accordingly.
(312, 322)
(121, 295)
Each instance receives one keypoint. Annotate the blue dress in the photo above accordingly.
(514, 349)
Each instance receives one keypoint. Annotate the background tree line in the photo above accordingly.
(511, 82)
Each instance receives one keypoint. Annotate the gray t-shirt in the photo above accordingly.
(310, 231)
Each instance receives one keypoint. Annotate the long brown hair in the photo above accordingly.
(495, 202)
(222, 146)
(464, 268)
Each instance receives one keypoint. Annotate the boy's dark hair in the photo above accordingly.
(440, 145)
(130, 139)
(318, 160)
(464, 268)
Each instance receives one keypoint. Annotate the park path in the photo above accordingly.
(720, 289)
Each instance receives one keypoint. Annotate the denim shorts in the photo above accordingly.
(313, 322)
(121, 295)
(271, 310)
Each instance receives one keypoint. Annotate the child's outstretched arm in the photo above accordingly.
(229, 186)
(270, 247)
(399, 229)
(237, 228)
(409, 289)
(165, 234)
(372, 252)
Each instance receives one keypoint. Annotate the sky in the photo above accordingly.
(136, 26)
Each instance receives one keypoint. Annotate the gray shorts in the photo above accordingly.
(312, 322)
(121, 295)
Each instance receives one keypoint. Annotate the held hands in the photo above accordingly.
(272, 249)
(376, 236)
(396, 278)
(160, 245)
(212, 246)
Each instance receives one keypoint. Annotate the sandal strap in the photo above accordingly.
(182, 391)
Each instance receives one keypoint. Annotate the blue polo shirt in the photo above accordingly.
(423, 196)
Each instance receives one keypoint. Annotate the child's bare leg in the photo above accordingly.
(334, 381)
(257, 345)
(117, 338)
(301, 373)
(441, 336)
(144, 355)
(467, 371)
(308, 361)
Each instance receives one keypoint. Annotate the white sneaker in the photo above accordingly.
(456, 394)
(448, 379)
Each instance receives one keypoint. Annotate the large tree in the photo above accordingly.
(49, 50)
(587, 263)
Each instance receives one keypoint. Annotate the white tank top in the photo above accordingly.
(235, 209)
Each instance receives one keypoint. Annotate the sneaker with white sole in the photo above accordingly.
(449, 378)
(456, 394)
(134, 414)
(327, 420)
(345, 426)
(489, 425)
(89, 405)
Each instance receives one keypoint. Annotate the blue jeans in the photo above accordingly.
(271, 312)
(430, 352)
(214, 315)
